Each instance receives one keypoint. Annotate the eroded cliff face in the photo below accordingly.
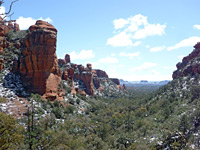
(4, 29)
(38, 64)
(190, 64)
(87, 80)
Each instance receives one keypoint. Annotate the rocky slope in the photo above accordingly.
(174, 108)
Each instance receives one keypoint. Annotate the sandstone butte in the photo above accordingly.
(189, 64)
(38, 64)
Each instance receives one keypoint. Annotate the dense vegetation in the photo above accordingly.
(164, 119)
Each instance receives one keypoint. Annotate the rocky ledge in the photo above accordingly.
(190, 64)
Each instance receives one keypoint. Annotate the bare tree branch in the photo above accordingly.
(7, 14)
(11, 7)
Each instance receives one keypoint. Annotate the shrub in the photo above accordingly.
(2, 100)
(58, 112)
(69, 110)
(71, 101)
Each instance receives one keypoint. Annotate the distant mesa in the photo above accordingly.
(143, 82)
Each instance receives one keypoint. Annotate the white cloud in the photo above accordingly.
(121, 39)
(150, 30)
(119, 23)
(108, 60)
(2, 11)
(144, 66)
(196, 26)
(154, 72)
(157, 48)
(147, 46)
(25, 23)
(84, 54)
(130, 55)
(191, 41)
(137, 43)
(134, 27)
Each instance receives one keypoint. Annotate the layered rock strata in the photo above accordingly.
(38, 64)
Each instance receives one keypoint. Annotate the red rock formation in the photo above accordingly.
(189, 64)
(115, 80)
(65, 75)
(101, 73)
(81, 68)
(39, 64)
(10, 25)
(71, 73)
(97, 82)
(67, 58)
(81, 92)
(16, 27)
(87, 78)
(61, 62)
(1, 64)
(89, 66)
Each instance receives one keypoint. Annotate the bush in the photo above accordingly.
(69, 110)
(2, 100)
(78, 101)
(71, 101)
(58, 112)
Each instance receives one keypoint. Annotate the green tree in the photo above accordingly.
(10, 133)
(184, 124)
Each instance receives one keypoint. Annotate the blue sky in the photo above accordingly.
(129, 39)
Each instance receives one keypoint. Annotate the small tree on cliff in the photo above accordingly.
(8, 14)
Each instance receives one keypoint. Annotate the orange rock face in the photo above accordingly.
(65, 75)
(38, 65)
(87, 78)
(67, 58)
(1, 64)
(189, 64)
